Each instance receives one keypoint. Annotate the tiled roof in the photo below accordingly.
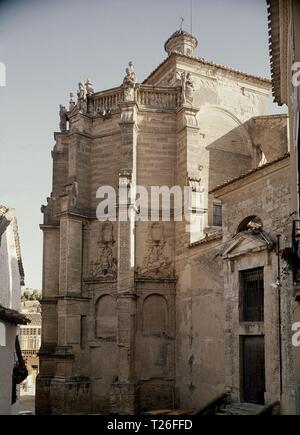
(252, 171)
(274, 48)
(208, 63)
(13, 316)
(209, 238)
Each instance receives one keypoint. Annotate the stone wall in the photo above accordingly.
(133, 314)
(200, 369)
(266, 194)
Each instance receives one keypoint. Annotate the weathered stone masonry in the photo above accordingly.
(133, 312)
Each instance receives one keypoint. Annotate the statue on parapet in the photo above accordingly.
(82, 98)
(89, 87)
(72, 103)
(129, 83)
(84, 91)
(63, 115)
(187, 88)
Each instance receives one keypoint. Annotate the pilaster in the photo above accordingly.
(187, 139)
(123, 398)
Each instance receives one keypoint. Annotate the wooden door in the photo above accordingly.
(253, 369)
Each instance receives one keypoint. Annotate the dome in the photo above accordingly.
(181, 41)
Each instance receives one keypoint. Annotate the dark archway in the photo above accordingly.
(250, 223)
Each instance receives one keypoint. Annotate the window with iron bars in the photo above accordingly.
(217, 215)
(252, 295)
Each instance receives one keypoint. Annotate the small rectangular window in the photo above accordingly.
(217, 215)
(252, 295)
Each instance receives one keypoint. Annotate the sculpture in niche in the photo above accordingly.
(187, 88)
(129, 83)
(63, 115)
(156, 264)
(106, 265)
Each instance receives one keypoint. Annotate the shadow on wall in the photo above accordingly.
(244, 147)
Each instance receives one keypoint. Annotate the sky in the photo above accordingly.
(48, 46)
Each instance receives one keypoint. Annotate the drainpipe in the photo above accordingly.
(279, 311)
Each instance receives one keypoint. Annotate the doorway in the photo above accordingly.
(253, 373)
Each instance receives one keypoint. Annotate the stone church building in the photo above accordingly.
(141, 315)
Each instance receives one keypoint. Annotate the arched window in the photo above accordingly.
(155, 314)
(106, 317)
(250, 223)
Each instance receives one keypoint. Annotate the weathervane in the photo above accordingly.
(181, 22)
(191, 10)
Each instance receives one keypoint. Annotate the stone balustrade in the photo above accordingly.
(159, 97)
(147, 97)
(108, 100)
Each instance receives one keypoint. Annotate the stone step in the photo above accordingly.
(240, 409)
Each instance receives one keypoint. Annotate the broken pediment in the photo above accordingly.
(247, 242)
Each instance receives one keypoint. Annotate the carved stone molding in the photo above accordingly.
(105, 266)
(187, 117)
(156, 264)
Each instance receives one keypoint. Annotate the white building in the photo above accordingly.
(12, 368)
(30, 334)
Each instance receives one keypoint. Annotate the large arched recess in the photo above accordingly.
(155, 316)
(225, 144)
(106, 317)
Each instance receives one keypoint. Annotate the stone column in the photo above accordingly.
(123, 393)
(49, 317)
(50, 287)
(187, 141)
